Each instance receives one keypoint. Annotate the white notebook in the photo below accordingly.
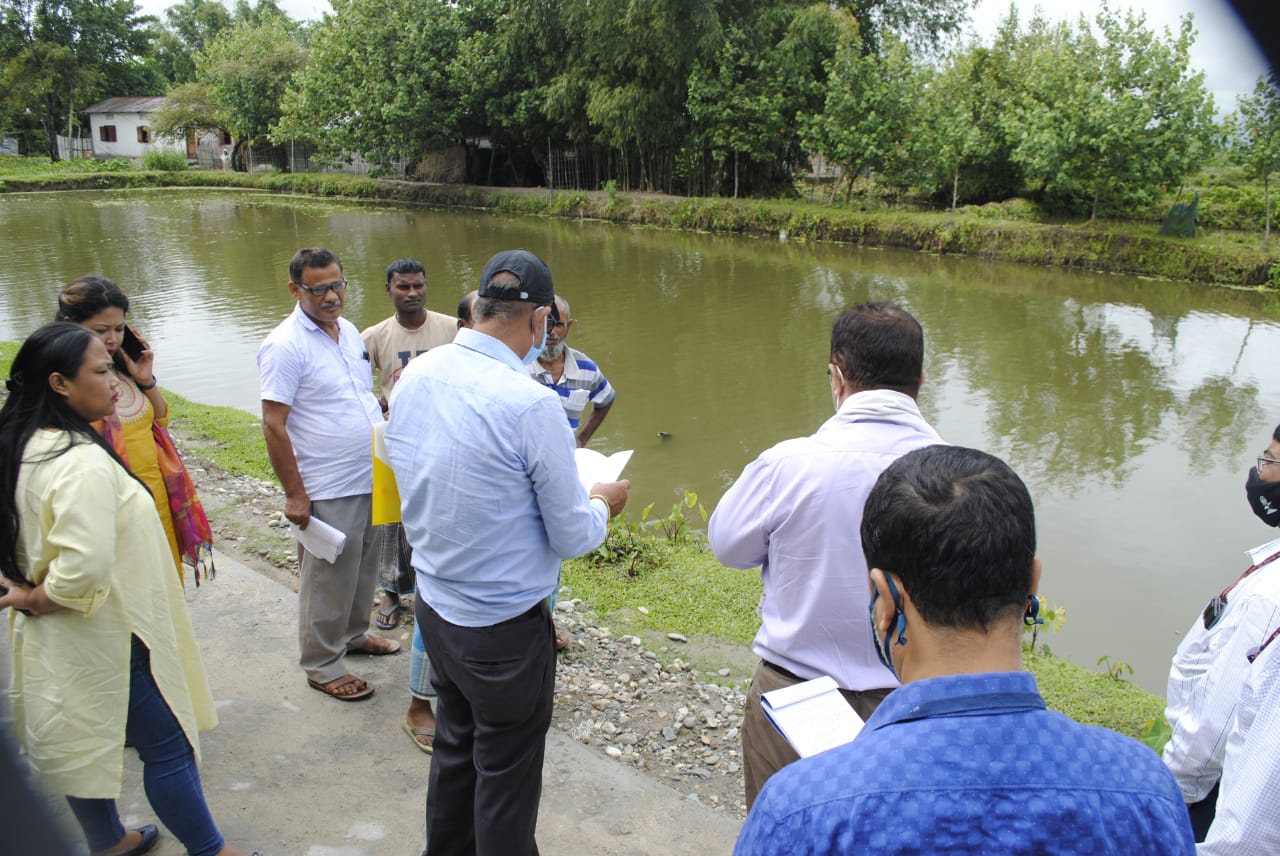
(812, 715)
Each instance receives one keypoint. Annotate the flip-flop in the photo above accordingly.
(332, 687)
(416, 732)
(388, 619)
(388, 646)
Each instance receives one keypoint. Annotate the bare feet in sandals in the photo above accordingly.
(346, 688)
(376, 646)
(420, 724)
(387, 615)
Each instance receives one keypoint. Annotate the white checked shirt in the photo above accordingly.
(1248, 818)
(1208, 671)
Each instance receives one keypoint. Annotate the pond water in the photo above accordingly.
(1132, 408)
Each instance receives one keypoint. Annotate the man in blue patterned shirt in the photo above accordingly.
(964, 758)
(574, 377)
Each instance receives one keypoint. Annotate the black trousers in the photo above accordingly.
(496, 686)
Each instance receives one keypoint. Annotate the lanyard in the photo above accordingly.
(1213, 612)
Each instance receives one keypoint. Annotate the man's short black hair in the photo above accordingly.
(1275, 435)
(957, 527)
(879, 346)
(404, 267)
(310, 257)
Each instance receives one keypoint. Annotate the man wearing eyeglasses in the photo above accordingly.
(318, 412)
(575, 378)
(1213, 661)
(492, 503)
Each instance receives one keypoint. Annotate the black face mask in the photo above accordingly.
(1264, 498)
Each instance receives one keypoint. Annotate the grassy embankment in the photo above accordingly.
(683, 588)
(1012, 231)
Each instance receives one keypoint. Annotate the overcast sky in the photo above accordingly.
(1224, 49)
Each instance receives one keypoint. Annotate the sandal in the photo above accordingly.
(389, 618)
(376, 646)
(417, 732)
(358, 688)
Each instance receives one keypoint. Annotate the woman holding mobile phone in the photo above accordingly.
(138, 430)
(99, 634)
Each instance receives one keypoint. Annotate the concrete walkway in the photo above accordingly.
(292, 772)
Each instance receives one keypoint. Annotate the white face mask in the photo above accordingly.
(533, 352)
(837, 387)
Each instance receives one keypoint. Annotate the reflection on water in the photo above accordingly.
(1132, 408)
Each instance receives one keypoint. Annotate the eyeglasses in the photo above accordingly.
(1264, 462)
(337, 287)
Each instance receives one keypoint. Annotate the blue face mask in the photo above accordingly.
(536, 349)
(899, 623)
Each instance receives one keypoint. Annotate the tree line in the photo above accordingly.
(699, 97)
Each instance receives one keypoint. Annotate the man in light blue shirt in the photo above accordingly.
(964, 757)
(491, 501)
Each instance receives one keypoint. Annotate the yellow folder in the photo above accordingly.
(386, 495)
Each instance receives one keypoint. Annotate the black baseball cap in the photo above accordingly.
(534, 275)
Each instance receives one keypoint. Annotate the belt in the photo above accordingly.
(781, 671)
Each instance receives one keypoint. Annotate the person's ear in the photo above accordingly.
(294, 290)
(882, 611)
(1035, 575)
(924, 375)
(58, 382)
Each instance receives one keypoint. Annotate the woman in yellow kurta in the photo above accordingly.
(99, 634)
(97, 304)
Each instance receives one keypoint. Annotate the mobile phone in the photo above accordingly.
(131, 344)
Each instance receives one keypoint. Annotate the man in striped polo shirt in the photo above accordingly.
(575, 378)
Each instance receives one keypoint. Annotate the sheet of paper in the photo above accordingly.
(1257, 554)
(320, 539)
(812, 715)
(594, 467)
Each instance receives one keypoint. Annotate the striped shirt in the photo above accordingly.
(582, 382)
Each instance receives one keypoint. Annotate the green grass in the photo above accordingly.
(689, 593)
(1094, 698)
(230, 438)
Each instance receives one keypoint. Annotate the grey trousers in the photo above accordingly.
(764, 750)
(335, 599)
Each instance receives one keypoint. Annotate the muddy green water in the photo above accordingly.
(1132, 408)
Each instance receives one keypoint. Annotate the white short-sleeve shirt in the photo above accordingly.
(327, 385)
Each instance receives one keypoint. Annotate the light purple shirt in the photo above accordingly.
(796, 512)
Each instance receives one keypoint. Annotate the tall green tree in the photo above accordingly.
(190, 28)
(378, 81)
(868, 115)
(1108, 120)
(1257, 138)
(58, 56)
(248, 68)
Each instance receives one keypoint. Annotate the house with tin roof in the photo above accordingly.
(120, 127)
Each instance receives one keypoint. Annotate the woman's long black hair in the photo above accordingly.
(32, 404)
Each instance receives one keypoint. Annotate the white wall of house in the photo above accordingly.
(127, 135)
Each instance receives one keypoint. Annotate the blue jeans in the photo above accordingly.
(169, 772)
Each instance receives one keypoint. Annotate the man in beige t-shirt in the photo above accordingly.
(391, 344)
(411, 331)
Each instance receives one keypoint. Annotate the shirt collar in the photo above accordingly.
(958, 695)
(483, 343)
(306, 320)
